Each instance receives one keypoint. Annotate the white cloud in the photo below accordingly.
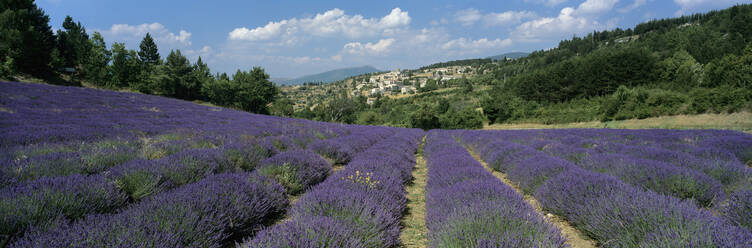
(205, 53)
(507, 18)
(269, 31)
(688, 6)
(378, 48)
(125, 32)
(596, 6)
(634, 5)
(331, 23)
(564, 24)
(570, 21)
(305, 59)
(549, 3)
(469, 44)
(469, 17)
(442, 21)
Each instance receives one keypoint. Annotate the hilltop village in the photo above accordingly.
(393, 84)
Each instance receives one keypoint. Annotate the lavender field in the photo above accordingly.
(93, 168)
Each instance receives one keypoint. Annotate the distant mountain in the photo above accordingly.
(514, 55)
(329, 76)
(279, 80)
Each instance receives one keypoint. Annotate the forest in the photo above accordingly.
(688, 65)
(30, 51)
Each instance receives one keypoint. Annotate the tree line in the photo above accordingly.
(28, 47)
(686, 65)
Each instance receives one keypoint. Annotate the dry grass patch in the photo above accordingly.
(414, 229)
(741, 121)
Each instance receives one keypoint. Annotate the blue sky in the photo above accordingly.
(295, 38)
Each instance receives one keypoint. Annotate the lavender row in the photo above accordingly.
(619, 215)
(41, 201)
(661, 177)
(35, 161)
(728, 146)
(469, 207)
(359, 206)
(203, 214)
(342, 149)
(296, 170)
(612, 212)
(53, 114)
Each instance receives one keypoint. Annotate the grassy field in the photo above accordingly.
(741, 121)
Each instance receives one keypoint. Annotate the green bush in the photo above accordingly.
(642, 103)
(507, 107)
(719, 100)
(467, 118)
(7, 68)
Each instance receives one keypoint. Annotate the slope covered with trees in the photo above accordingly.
(687, 65)
(29, 48)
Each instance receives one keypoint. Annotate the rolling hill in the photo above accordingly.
(330, 76)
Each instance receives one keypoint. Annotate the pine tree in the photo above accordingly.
(148, 52)
(73, 46)
(26, 36)
(95, 64)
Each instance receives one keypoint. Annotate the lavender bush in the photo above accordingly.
(359, 206)
(618, 215)
(40, 202)
(201, 214)
(739, 208)
(680, 182)
(296, 170)
(468, 207)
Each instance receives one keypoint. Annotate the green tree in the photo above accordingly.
(126, 69)
(7, 68)
(282, 107)
(681, 70)
(73, 46)
(96, 63)
(148, 51)
(466, 85)
(183, 82)
(340, 109)
(430, 86)
(732, 70)
(26, 37)
(369, 117)
(426, 118)
(466, 118)
(253, 90)
(220, 92)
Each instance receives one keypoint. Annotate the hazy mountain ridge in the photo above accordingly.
(329, 76)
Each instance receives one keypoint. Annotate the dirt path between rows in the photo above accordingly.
(574, 237)
(414, 229)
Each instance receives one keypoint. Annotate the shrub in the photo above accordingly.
(201, 214)
(39, 202)
(296, 170)
(619, 215)
(467, 118)
(739, 209)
